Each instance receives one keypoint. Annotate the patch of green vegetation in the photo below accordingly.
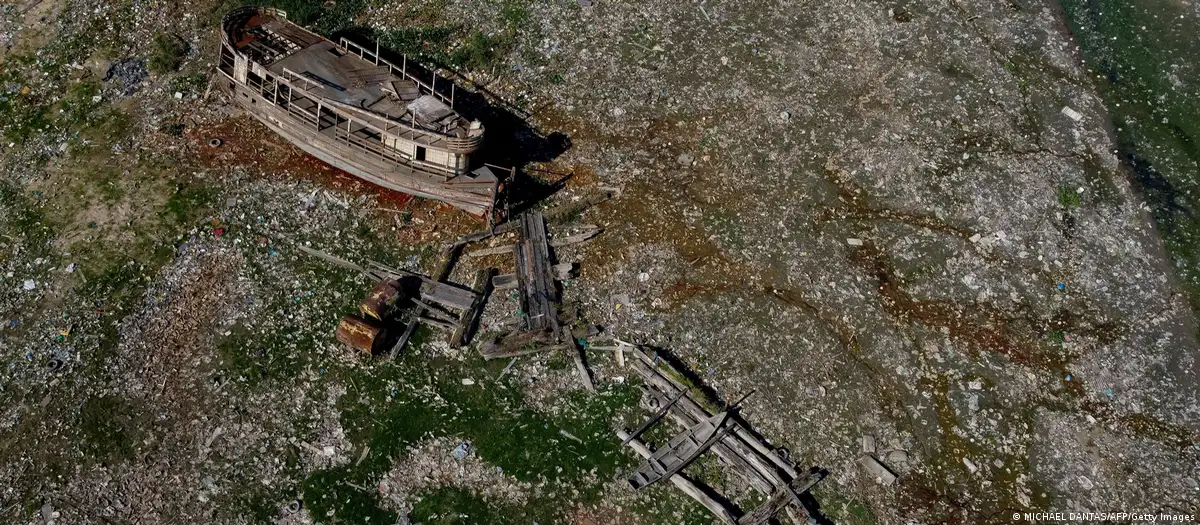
(480, 51)
(663, 503)
(166, 53)
(395, 407)
(23, 111)
(514, 13)
(188, 203)
(1138, 53)
(109, 428)
(454, 506)
(189, 84)
(1068, 197)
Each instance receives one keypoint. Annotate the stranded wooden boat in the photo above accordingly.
(354, 110)
(680, 451)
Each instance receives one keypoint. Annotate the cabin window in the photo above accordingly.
(420, 153)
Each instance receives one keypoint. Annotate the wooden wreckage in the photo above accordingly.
(705, 427)
(391, 125)
(726, 435)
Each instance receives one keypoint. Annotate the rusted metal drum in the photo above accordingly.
(360, 334)
(381, 301)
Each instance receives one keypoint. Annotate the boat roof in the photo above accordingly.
(332, 72)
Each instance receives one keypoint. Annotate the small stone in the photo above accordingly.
(29, 284)
(643, 277)
(785, 116)
(329, 451)
(178, 95)
(685, 159)
(1086, 483)
(896, 457)
(854, 242)
(975, 385)
(868, 444)
(976, 237)
(468, 381)
(970, 465)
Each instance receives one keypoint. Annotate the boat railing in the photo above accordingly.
(463, 145)
(370, 56)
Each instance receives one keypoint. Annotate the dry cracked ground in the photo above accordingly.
(957, 235)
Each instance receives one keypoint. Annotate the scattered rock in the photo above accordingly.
(876, 469)
(1072, 114)
(128, 74)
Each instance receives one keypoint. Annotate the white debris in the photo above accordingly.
(854, 242)
(876, 469)
(970, 465)
(1072, 114)
(976, 237)
(29, 284)
(868, 444)
(468, 381)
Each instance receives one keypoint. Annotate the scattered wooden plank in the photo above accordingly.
(553, 243)
(685, 485)
(403, 340)
(442, 323)
(518, 352)
(574, 239)
(585, 376)
(499, 250)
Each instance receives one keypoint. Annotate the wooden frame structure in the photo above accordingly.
(760, 467)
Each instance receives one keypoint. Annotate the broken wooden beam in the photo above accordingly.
(682, 483)
(576, 350)
(498, 250)
(469, 319)
(553, 243)
(506, 281)
(500, 353)
(653, 419)
(783, 497)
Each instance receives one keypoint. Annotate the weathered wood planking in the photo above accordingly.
(540, 293)
(469, 318)
(687, 413)
(687, 486)
(780, 500)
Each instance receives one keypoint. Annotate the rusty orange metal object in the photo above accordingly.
(360, 334)
(381, 300)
